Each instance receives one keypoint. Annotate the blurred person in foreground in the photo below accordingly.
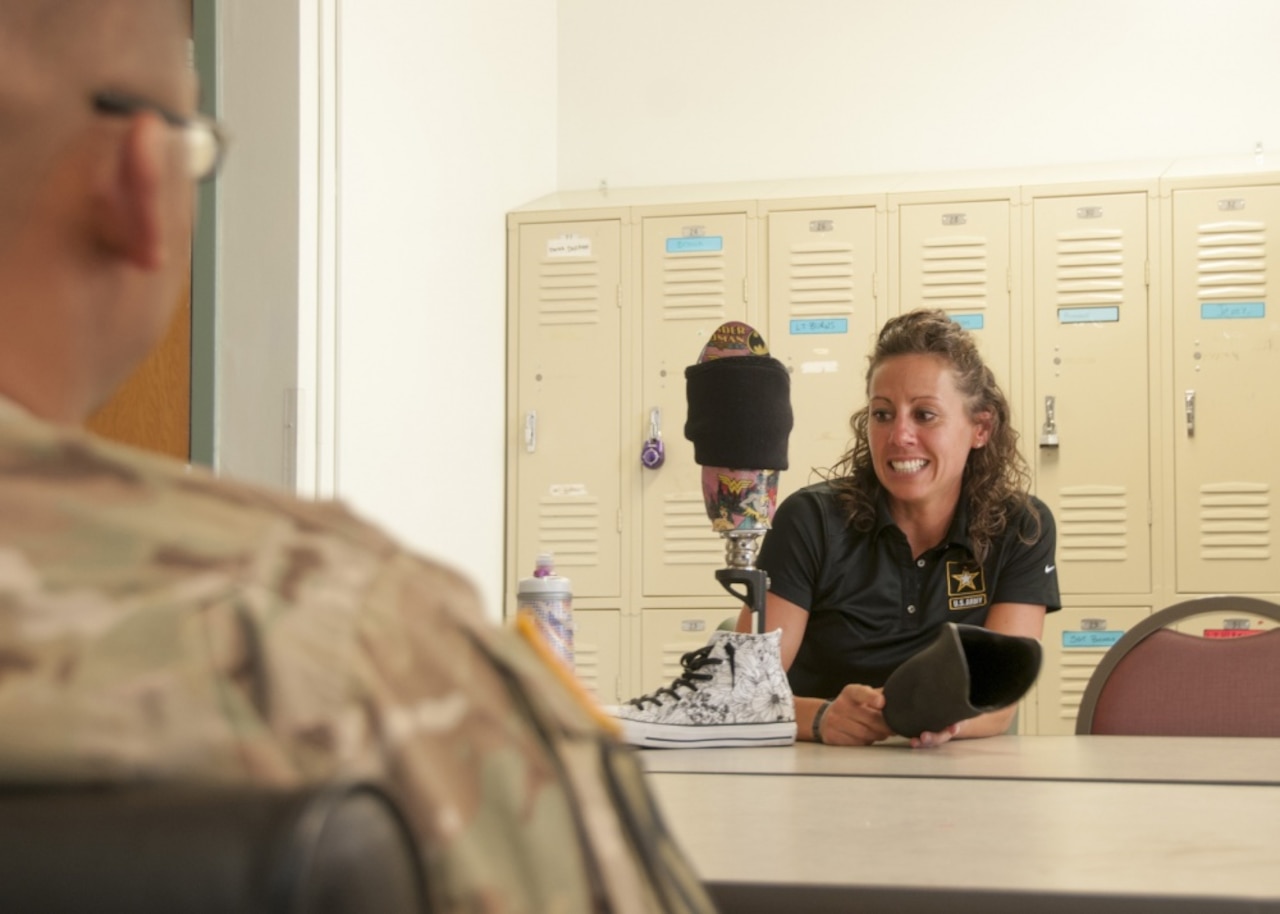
(159, 624)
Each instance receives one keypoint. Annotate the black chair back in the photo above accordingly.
(336, 849)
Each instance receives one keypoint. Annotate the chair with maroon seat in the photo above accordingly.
(1156, 681)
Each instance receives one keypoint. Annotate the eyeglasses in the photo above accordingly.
(205, 139)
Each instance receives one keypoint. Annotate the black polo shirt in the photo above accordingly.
(871, 603)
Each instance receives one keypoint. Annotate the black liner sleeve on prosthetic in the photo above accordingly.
(739, 412)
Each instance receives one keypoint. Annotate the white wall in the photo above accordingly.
(380, 142)
(677, 92)
(448, 115)
(362, 253)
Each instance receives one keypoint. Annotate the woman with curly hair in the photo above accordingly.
(926, 520)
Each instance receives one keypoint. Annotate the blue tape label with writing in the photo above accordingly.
(697, 244)
(820, 325)
(969, 321)
(1232, 310)
(1088, 315)
(1090, 639)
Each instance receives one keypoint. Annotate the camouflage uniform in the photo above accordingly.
(157, 623)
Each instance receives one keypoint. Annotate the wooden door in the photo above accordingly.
(152, 409)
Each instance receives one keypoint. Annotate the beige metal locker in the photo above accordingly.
(1224, 625)
(822, 268)
(669, 634)
(695, 275)
(1074, 641)
(597, 636)
(957, 256)
(1090, 431)
(1226, 366)
(568, 391)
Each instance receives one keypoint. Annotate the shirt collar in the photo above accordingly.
(957, 533)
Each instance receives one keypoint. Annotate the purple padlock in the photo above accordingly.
(653, 454)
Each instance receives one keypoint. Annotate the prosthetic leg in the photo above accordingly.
(739, 420)
(733, 691)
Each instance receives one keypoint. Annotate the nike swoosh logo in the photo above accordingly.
(1048, 569)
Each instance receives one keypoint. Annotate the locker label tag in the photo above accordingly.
(569, 246)
(819, 325)
(1232, 310)
(1088, 315)
(706, 244)
(1090, 639)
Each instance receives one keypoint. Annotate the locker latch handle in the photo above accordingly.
(1049, 431)
(1189, 404)
(531, 431)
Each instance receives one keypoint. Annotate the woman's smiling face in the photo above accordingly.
(920, 431)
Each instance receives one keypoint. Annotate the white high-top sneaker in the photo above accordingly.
(733, 692)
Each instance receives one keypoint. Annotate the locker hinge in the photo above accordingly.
(745, 299)
(1146, 273)
(619, 520)
(1008, 279)
(875, 286)
(618, 296)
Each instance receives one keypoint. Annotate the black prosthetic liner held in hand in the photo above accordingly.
(967, 670)
(739, 412)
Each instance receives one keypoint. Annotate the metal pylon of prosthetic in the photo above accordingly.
(740, 549)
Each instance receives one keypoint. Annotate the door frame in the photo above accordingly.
(204, 26)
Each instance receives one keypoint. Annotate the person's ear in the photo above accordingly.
(129, 204)
(981, 429)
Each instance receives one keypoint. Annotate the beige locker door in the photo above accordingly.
(956, 256)
(1091, 371)
(822, 322)
(694, 279)
(1075, 641)
(569, 403)
(668, 634)
(1226, 363)
(1224, 625)
(597, 653)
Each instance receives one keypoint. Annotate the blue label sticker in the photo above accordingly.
(1090, 639)
(820, 325)
(969, 321)
(700, 244)
(1088, 315)
(1232, 310)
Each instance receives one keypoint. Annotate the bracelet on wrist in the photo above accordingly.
(817, 721)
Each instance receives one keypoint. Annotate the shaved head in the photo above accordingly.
(54, 54)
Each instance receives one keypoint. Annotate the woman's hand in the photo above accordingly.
(855, 718)
(929, 740)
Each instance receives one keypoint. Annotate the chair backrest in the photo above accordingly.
(207, 850)
(1158, 682)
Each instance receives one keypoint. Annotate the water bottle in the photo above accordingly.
(547, 598)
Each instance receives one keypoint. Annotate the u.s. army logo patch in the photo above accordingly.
(965, 587)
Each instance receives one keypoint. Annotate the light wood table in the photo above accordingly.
(1043, 758)
(817, 844)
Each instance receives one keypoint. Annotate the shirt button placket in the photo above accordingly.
(916, 577)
